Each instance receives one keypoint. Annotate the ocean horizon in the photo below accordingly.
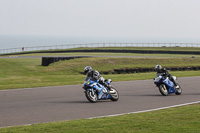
(19, 41)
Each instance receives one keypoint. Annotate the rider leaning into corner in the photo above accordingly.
(163, 72)
(95, 75)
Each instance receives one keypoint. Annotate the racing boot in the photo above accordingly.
(108, 87)
(176, 86)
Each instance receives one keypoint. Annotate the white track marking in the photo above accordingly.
(122, 113)
(146, 110)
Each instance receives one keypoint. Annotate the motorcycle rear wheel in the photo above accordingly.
(90, 96)
(114, 94)
(163, 90)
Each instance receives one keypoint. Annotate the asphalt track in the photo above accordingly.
(48, 104)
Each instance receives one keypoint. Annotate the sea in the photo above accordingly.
(20, 41)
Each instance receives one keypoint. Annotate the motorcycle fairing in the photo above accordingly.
(170, 85)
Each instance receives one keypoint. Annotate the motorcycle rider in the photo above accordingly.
(95, 75)
(163, 72)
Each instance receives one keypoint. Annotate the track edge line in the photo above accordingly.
(143, 111)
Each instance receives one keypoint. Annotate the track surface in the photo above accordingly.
(47, 104)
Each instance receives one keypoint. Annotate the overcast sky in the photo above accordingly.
(101, 18)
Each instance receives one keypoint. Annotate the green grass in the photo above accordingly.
(28, 73)
(180, 119)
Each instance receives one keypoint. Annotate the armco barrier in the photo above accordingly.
(48, 60)
(96, 45)
(114, 51)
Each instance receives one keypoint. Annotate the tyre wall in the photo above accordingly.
(48, 60)
(144, 70)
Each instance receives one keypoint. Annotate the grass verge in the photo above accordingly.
(180, 119)
(28, 73)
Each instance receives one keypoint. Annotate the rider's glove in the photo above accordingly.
(101, 79)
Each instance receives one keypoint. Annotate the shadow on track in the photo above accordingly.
(74, 102)
(192, 94)
(151, 95)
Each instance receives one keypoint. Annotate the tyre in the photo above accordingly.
(114, 94)
(91, 96)
(163, 90)
(178, 90)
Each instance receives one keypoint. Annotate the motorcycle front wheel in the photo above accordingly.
(163, 89)
(178, 90)
(114, 94)
(91, 96)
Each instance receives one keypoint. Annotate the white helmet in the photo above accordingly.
(87, 69)
(158, 67)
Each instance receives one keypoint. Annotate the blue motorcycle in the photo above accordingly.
(166, 86)
(95, 91)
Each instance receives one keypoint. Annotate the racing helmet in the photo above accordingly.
(158, 68)
(87, 69)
